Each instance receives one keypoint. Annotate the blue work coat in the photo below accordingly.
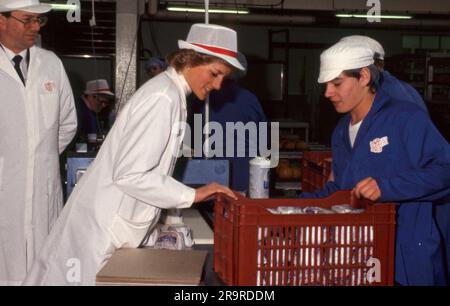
(401, 91)
(404, 92)
(234, 104)
(412, 169)
(87, 119)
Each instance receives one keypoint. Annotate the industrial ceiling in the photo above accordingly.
(80, 38)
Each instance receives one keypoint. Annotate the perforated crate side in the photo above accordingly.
(284, 243)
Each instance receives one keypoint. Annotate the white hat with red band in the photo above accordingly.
(213, 40)
(98, 87)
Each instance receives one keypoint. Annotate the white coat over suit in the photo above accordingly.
(37, 122)
(121, 194)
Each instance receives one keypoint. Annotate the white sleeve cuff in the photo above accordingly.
(188, 197)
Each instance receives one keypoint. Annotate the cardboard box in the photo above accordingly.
(153, 267)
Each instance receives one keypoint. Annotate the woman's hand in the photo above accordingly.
(208, 192)
(368, 189)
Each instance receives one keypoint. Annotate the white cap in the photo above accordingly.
(371, 43)
(343, 56)
(31, 6)
(98, 87)
(213, 40)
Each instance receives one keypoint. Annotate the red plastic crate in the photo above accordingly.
(255, 247)
(316, 168)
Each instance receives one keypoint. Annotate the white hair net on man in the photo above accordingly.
(371, 43)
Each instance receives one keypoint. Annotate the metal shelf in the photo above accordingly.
(433, 68)
(288, 185)
(291, 154)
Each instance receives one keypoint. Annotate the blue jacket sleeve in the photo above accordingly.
(428, 179)
(329, 188)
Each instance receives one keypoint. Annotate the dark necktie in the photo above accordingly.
(17, 59)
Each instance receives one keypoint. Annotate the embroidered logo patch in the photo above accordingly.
(376, 145)
(49, 86)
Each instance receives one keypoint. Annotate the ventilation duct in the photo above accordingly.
(422, 23)
(251, 18)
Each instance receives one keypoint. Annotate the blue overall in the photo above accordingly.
(234, 104)
(413, 170)
(87, 119)
(401, 91)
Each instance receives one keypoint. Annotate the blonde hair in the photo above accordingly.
(183, 58)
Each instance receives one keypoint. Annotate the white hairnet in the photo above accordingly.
(343, 56)
(371, 43)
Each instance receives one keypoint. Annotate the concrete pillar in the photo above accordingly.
(127, 19)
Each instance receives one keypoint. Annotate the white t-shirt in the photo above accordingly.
(353, 131)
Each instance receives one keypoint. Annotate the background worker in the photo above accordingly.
(154, 66)
(96, 97)
(37, 122)
(235, 105)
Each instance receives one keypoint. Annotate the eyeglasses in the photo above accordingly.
(41, 20)
(102, 100)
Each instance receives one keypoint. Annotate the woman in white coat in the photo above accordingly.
(122, 193)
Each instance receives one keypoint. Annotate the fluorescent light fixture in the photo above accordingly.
(240, 11)
(372, 16)
(63, 7)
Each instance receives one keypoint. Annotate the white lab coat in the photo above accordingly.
(37, 122)
(123, 191)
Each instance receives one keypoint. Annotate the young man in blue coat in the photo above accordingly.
(404, 92)
(388, 151)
